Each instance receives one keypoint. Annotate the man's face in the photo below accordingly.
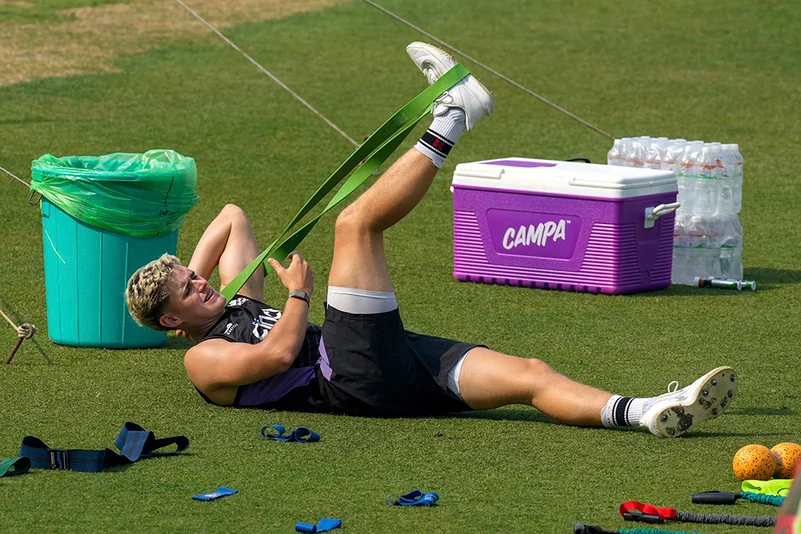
(192, 300)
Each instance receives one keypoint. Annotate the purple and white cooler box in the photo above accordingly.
(563, 225)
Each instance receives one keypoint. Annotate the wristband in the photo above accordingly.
(302, 295)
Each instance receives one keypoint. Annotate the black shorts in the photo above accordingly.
(372, 367)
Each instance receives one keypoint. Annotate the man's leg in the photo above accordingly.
(489, 379)
(359, 261)
(230, 243)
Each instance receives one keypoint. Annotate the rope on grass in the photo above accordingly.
(493, 71)
(17, 178)
(24, 331)
(272, 76)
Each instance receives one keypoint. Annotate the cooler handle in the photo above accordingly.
(652, 214)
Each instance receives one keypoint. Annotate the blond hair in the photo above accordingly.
(147, 291)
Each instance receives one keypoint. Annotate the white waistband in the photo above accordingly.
(363, 301)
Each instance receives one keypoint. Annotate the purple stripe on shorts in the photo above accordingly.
(520, 163)
(275, 387)
(325, 365)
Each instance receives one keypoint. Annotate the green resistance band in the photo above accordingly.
(379, 146)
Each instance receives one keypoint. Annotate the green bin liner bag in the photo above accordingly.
(140, 195)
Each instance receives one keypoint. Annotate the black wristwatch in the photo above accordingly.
(302, 295)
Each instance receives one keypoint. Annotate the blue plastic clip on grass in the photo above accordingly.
(324, 525)
(221, 492)
(413, 498)
(300, 434)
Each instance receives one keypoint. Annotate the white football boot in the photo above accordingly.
(672, 414)
(469, 95)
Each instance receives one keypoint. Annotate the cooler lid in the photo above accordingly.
(563, 177)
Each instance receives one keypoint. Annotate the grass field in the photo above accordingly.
(726, 71)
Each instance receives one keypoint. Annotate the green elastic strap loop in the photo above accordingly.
(774, 500)
(379, 146)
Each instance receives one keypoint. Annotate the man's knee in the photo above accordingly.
(538, 371)
(351, 222)
(234, 215)
(232, 210)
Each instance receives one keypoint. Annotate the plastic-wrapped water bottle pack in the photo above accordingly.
(708, 237)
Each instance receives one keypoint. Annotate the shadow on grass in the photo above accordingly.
(767, 279)
(125, 467)
(175, 343)
(761, 411)
(700, 434)
(677, 290)
(505, 415)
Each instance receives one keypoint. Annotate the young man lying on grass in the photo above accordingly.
(362, 361)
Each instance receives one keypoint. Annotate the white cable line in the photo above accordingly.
(271, 75)
(493, 71)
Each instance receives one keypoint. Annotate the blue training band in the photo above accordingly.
(221, 492)
(300, 434)
(414, 498)
(133, 441)
(324, 525)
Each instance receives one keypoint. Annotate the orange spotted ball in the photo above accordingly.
(754, 462)
(786, 455)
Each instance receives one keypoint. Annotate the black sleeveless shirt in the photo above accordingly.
(246, 320)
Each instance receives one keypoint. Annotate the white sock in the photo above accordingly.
(624, 411)
(440, 137)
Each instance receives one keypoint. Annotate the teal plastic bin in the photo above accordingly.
(103, 218)
(86, 272)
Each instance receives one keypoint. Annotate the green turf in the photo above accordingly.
(725, 71)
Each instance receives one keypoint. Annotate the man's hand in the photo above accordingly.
(297, 276)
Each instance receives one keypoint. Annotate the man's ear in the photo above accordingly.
(170, 321)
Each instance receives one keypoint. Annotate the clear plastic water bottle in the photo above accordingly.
(708, 182)
(683, 244)
(625, 150)
(635, 157)
(656, 153)
(687, 175)
(613, 156)
(673, 152)
(731, 250)
(738, 190)
(728, 173)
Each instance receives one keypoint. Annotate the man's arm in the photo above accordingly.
(218, 363)
(216, 367)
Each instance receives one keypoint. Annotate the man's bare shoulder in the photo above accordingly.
(205, 350)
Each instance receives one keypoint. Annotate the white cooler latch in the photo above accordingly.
(652, 214)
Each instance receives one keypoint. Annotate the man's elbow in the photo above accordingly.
(283, 360)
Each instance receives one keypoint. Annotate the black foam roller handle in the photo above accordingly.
(716, 497)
